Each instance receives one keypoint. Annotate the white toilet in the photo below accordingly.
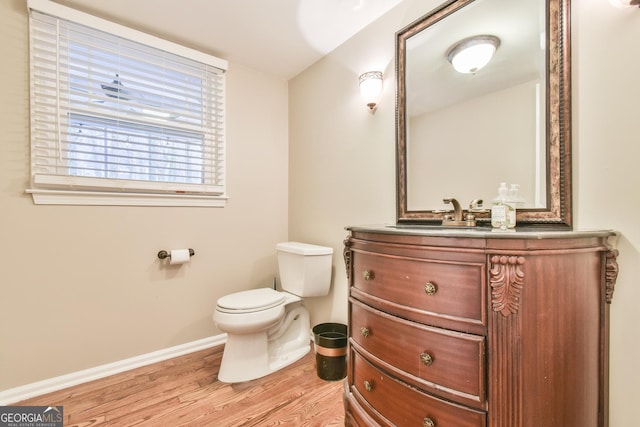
(267, 329)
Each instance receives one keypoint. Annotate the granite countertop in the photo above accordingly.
(526, 232)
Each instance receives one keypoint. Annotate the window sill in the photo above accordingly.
(99, 198)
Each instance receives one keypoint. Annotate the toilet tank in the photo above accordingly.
(305, 269)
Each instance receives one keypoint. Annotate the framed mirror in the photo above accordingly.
(461, 134)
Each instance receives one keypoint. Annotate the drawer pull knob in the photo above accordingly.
(368, 385)
(428, 422)
(367, 275)
(430, 288)
(365, 331)
(426, 359)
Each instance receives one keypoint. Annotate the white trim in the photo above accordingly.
(83, 183)
(39, 388)
(60, 11)
(104, 198)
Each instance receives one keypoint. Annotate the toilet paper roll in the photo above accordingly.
(179, 256)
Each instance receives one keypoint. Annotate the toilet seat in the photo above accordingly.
(250, 301)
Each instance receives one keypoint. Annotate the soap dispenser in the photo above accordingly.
(514, 200)
(502, 210)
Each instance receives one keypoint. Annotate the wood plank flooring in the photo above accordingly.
(185, 392)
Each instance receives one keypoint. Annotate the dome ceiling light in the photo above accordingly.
(471, 54)
(625, 3)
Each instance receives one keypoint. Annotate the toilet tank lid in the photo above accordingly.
(303, 248)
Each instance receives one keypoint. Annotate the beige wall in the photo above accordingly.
(342, 158)
(81, 286)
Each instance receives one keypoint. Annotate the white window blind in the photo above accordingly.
(110, 114)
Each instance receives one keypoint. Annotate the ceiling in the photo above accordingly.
(279, 37)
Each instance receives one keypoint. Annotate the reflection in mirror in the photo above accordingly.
(461, 134)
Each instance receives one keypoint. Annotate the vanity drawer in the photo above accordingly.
(403, 405)
(446, 361)
(440, 290)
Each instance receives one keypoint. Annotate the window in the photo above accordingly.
(122, 118)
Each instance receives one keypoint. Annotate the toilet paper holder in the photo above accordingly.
(166, 254)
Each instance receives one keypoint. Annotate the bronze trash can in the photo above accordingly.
(331, 350)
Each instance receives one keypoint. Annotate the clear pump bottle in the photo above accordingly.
(503, 212)
(514, 200)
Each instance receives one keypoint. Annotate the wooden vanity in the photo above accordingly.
(469, 328)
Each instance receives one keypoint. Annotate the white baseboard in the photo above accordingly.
(38, 388)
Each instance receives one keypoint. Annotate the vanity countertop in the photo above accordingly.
(530, 232)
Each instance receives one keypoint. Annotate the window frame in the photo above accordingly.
(65, 189)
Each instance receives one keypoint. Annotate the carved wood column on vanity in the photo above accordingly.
(506, 279)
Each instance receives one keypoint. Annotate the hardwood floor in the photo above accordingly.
(185, 392)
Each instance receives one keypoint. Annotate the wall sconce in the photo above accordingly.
(471, 54)
(371, 88)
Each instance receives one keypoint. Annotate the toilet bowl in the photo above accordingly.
(269, 329)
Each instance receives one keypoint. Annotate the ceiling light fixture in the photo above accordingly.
(625, 3)
(471, 54)
(371, 88)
